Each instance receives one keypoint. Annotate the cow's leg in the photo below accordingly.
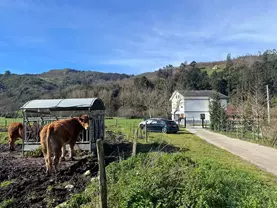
(57, 155)
(63, 153)
(72, 151)
(44, 152)
(11, 143)
(48, 163)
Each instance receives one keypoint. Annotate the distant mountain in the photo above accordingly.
(16, 89)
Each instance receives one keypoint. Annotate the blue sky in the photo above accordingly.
(130, 36)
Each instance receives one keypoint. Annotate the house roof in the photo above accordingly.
(201, 93)
(65, 104)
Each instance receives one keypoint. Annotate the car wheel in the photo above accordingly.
(164, 130)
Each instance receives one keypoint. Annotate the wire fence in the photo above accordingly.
(246, 129)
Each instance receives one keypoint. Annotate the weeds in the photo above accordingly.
(7, 203)
(34, 153)
(5, 183)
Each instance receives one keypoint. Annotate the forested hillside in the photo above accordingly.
(149, 93)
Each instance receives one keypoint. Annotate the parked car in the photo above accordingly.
(160, 125)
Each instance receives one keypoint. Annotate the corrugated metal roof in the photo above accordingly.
(64, 103)
(201, 93)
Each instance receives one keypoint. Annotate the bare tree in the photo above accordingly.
(150, 99)
(269, 131)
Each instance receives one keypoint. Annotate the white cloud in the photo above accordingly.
(187, 31)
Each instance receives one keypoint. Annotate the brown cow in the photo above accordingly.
(15, 131)
(55, 136)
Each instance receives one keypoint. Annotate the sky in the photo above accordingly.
(130, 36)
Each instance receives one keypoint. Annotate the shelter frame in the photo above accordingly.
(42, 112)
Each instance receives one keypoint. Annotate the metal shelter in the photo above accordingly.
(37, 113)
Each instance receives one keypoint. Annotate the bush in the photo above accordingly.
(174, 180)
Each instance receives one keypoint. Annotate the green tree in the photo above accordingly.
(218, 82)
(7, 73)
(218, 115)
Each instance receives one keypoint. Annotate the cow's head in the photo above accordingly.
(84, 121)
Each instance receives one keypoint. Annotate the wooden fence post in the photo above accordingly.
(102, 174)
(134, 152)
(146, 140)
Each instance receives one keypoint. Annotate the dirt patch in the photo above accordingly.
(31, 187)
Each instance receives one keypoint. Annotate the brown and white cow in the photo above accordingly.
(54, 137)
(15, 131)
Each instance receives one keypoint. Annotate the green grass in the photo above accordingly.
(248, 137)
(5, 183)
(202, 176)
(123, 126)
(210, 70)
(34, 153)
(4, 138)
(7, 203)
(4, 122)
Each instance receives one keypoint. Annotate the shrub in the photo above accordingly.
(174, 180)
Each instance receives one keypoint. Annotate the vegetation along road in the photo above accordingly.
(186, 172)
(263, 157)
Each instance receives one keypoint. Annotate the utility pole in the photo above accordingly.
(267, 99)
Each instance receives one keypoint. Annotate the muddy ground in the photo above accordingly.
(31, 187)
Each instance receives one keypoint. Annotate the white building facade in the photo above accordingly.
(190, 104)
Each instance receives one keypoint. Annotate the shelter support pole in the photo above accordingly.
(91, 134)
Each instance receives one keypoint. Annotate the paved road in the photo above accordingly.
(261, 156)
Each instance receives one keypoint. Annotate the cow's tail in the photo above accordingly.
(48, 148)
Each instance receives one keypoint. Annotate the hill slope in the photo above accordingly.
(122, 94)
(15, 89)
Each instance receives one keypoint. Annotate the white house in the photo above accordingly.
(190, 104)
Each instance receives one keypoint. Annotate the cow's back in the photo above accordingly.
(67, 129)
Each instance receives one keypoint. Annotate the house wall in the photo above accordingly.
(195, 107)
(177, 104)
(224, 103)
(192, 107)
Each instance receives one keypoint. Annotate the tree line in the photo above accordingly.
(138, 96)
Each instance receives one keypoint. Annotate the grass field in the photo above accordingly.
(199, 175)
(4, 122)
(210, 70)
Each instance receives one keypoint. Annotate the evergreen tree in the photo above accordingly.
(218, 115)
